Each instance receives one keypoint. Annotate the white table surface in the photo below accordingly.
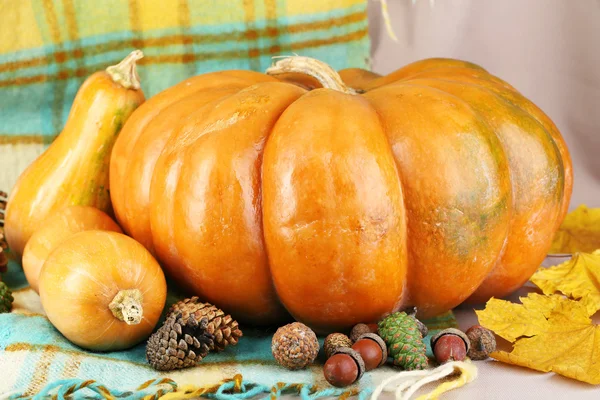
(499, 381)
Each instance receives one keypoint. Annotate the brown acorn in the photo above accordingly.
(344, 367)
(360, 329)
(483, 342)
(450, 345)
(372, 349)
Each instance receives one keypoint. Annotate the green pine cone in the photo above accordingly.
(6, 298)
(405, 343)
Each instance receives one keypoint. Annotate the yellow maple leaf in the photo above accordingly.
(578, 278)
(567, 343)
(579, 232)
(510, 320)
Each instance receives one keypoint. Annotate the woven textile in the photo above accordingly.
(33, 355)
(48, 47)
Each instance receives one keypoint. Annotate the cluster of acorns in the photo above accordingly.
(399, 335)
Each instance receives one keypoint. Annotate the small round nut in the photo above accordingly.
(344, 367)
(361, 329)
(380, 342)
(334, 341)
(449, 348)
(451, 331)
(294, 346)
(340, 370)
(483, 342)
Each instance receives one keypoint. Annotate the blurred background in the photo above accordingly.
(547, 49)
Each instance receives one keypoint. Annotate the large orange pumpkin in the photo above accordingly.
(426, 187)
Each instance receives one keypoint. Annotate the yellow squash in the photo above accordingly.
(74, 169)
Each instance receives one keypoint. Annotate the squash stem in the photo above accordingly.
(126, 306)
(125, 72)
(319, 70)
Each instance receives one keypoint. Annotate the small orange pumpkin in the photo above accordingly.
(425, 187)
(55, 230)
(102, 290)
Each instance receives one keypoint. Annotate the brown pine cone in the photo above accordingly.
(178, 343)
(3, 245)
(3, 257)
(224, 328)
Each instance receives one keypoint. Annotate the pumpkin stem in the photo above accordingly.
(125, 72)
(126, 306)
(319, 70)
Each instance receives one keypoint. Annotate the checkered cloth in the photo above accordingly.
(48, 47)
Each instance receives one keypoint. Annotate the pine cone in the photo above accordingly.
(405, 343)
(6, 298)
(224, 328)
(3, 245)
(3, 256)
(179, 343)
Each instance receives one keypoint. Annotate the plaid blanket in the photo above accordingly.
(48, 47)
(34, 355)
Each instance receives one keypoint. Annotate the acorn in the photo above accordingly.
(483, 342)
(360, 329)
(335, 341)
(450, 345)
(295, 346)
(344, 367)
(372, 349)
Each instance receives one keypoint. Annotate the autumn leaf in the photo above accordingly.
(567, 343)
(578, 278)
(510, 320)
(579, 232)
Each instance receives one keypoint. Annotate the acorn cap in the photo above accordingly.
(355, 355)
(377, 339)
(452, 331)
(334, 341)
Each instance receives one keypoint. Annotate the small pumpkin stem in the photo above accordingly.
(126, 306)
(125, 72)
(319, 70)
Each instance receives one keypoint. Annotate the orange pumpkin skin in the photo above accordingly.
(539, 164)
(81, 278)
(74, 170)
(57, 229)
(143, 138)
(345, 207)
(334, 226)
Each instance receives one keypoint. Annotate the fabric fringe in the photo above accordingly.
(167, 389)
(404, 385)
